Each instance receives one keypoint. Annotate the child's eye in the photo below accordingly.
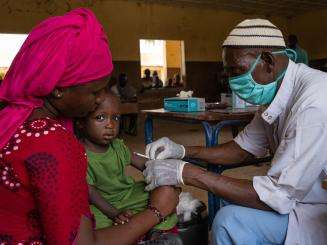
(116, 117)
(100, 118)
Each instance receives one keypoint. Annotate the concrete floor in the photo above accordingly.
(188, 135)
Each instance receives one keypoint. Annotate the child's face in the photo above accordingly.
(102, 125)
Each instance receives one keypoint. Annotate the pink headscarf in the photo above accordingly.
(61, 51)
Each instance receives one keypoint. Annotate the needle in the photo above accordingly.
(140, 155)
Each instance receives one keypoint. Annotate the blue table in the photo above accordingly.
(213, 122)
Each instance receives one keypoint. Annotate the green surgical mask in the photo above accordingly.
(255, 93)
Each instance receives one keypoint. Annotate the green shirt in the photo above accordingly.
(106, 172)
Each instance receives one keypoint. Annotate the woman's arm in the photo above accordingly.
(118, 216)
(165, 199)
(99, 202)
(118, 235)
(56, 167)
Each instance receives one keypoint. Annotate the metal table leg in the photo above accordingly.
(211, 135)
(148, 130)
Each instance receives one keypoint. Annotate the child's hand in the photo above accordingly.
(123, 217)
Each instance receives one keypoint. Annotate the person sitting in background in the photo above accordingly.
(123, 89)
(302, 56)
(126, 93)
(177, 80)
(156, 81)
(115, 197)
(170, 83)
(146, 81)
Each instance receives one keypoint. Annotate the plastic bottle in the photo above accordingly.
(238, 103)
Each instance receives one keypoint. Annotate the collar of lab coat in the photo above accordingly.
(283, 95)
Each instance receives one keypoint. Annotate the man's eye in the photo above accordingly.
(236, 72)
(100, 118)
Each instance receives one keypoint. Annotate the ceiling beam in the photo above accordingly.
(287, 8)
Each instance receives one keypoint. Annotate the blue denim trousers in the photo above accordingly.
(235, 224)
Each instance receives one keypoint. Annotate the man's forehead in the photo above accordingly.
(238, 52)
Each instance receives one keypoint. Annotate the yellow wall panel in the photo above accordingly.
(174, 54)
(311, 30)
(125, 22)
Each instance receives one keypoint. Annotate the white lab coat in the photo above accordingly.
(294, 129)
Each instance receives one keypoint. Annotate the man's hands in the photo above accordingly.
(163, 172)
(164, 148)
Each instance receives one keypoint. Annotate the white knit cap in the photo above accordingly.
(255, 33)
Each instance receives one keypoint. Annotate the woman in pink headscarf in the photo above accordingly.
(58, 74)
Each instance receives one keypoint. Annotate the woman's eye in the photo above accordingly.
(96, 92)
(100, 118)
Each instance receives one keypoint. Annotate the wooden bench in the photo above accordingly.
(129, 111)
(129, 108)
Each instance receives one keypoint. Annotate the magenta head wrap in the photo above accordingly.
(62, 51)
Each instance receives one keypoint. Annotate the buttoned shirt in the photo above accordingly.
(293, 128)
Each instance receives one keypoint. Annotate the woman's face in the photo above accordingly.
(79, 100)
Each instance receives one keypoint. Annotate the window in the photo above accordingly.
(9, 47)
(166, 57)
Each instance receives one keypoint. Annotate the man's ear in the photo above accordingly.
(57, 93)
(269, 60)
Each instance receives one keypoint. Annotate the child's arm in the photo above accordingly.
(110, 211)
(138, 161)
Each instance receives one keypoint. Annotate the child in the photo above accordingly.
(114, 196)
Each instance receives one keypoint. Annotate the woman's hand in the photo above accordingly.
(165, 199)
